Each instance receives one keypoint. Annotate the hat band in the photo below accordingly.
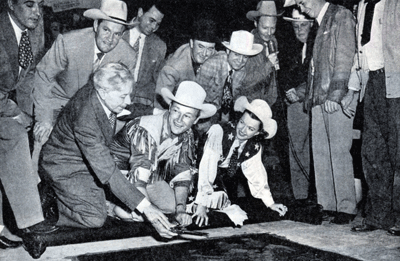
(116, 18)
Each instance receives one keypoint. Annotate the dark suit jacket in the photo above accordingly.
(10, 77)
(153, 56)
(79, 147)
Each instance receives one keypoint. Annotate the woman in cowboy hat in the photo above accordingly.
(231, 170)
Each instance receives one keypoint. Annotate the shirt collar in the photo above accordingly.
(136, 33)
(17, 30)
(322, 13)
(106, 110)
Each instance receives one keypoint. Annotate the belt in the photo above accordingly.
(379, 71)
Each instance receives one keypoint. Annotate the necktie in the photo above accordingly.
(227, 96)
(25, 56)
(233, 163)
(369, 15)
(96, 63)
(112, 119)
(136, 45)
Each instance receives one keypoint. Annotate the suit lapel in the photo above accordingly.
(101, 117)
(10, 42)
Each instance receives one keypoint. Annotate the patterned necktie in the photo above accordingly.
(233, 163)
(369, 15)
(136, 45)
(96, 63)
(25, 56)
(227, 96)
(112, 119)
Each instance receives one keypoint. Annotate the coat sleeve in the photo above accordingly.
(54, 62)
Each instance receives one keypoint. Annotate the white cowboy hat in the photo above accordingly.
(261, 109)
(264, 8)
(192, 95)
(297, 17)
(289, 3)
(242, 42)
(111, 10)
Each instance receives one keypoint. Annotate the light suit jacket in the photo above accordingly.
(66, 67)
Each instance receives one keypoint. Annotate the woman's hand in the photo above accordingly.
(184, 219)
(201, 215)
(280, 208)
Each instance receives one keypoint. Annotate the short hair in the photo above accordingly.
(147, 5)
(205, 29)
(111, 76)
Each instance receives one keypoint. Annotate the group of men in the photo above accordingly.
(75, 91)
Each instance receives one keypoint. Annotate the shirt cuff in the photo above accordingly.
(143, 204)
(354, 89)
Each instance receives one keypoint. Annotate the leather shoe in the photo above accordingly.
(7, 243)
(394, 231)
(40, 228)
(342, 218)
(363, 228)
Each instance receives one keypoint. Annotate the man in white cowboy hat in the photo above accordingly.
(185, 63)
(332, 104)
(67, 65)
(158, 150)
(295, 62)
(222, 75)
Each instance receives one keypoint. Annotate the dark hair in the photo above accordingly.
(147, 5)
(263, 134)
(205, 29)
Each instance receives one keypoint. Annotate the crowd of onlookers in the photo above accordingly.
(94, 104)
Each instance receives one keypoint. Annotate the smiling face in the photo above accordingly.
(310, 7)
(108, 35)
(301, 30)
(247, 127)
(26, 13)
(181, 118)
(149, 21)
(236, 60)
(266, 27)
(117, 98)
(201, 51)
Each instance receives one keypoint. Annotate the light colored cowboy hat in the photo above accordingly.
(111, 10)
(289, 3)
(297, 17)
(192, 95)
(264, 8)
(261, 109)
(242, 42)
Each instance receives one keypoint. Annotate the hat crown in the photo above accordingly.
(267, 8)
(241, 41)
(297, 15)
(190, 94)
(115, 9)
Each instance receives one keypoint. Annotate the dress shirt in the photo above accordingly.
(373, 49)
(235, 144)
(18, 33)
(96, 51)
(322, 13)
(133, 36)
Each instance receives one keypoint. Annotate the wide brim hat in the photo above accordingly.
(192, 95)
(289, 3)
(297, 17)
(242, 42)
(111, 10)
(261, 109)
(264, 8)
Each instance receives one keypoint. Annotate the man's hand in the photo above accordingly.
(280, 208)
(273, 58)
(346, 102)
(292, 96)
(201, 215)
(331, 106)
(24, 119)
(184, 219)
(42, 130)
(159, 221)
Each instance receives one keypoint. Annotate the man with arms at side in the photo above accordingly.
(76, 160)
(150, 51)
(185, 63)
(21, 44)
(158, 150)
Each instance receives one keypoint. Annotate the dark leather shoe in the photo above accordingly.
(342, 218)
(363, 228)
(394, 231)
(7, 243)
(34, 244)
(40, 228)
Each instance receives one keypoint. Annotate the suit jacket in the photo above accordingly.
(10, 77)
(333, 55)
(178, 68)
(66, 67)
(152, 59)
(391, 51)
(79, 147)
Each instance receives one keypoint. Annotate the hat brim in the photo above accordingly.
(206, 110)
(256, 49)
(252, 15)
(97, 14)
(296, 20)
